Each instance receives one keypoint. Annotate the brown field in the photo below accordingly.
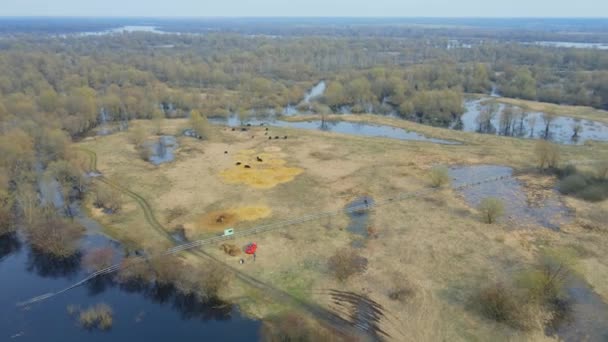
(434, 247)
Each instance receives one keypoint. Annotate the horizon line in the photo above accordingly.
(288, 17)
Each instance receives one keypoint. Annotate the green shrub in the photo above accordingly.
(566, 171)
(538, 290)
(545, 282)
(572, 184)
(594, 193)
(439, 176)
(501, 303)
(491, 209)
(586, 186)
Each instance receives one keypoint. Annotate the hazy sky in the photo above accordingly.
(394, 8)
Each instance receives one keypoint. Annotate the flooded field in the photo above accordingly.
(162, 150)
(139, 309)
(142, 310)
(520, 210)
(533, 125)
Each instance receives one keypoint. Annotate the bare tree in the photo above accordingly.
(547, 154)
(486, 115)
(577, 128)
(548, 118)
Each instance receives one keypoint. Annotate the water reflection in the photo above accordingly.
(521, 211)
(314, 92)
(9, 243)
(504, 120)
(344, 127)
(162, 150)
(141, 309)
(581, 316)
(48, 266)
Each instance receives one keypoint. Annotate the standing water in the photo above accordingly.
(532, 125)
(315, 92)
(344, 127)
(163, 150)
(519, 210)
(146, 312)
(142, 310)
(358, 213)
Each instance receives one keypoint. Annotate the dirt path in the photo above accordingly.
(314, 310)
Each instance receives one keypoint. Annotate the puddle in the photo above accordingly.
(344, 127)
(548, 212)
(585, 317)
(532, 125)
(359, 218)
(162, 150)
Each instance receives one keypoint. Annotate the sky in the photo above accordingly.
(301, 8)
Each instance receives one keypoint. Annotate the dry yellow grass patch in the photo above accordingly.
(265, 174)
(217, 221)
